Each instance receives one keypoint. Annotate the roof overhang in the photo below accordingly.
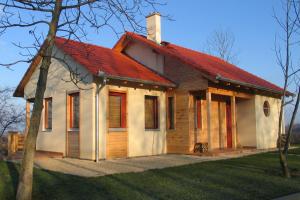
(19, 92)
(248, 85)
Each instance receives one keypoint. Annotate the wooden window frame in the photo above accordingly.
(155, 114)
(123, 116)
(198, 113)
(169, 113)
(46, 111)
(71, 125)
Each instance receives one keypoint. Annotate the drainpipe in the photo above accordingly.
(98, 90)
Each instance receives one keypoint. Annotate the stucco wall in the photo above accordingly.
(266, 127)
(141, 142)
(146, 56)
(57, 88)
(246, 123)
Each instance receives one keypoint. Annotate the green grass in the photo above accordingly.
(252, 177)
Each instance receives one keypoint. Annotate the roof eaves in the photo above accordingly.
(219, 77)
(140, 81)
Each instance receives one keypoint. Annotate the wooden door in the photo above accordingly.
(73, 132)
(73, 144)
(228, 125)
(117, 136)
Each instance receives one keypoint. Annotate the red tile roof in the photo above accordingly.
(113, 63)
(210, 65)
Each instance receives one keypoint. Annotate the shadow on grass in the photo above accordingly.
(14, 174)
(9, 176)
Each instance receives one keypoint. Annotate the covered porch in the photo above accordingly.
(214, 124)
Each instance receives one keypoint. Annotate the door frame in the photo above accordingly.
(116, 131)
(68, 94)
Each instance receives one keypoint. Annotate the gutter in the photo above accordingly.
(220, 78)
(98, 90)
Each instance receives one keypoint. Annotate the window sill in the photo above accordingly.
(47, 130)
(117, 129)
(150, 129)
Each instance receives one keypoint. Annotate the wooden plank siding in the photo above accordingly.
(116, 145)
(218, 125)
(181, 139)
(178, 138)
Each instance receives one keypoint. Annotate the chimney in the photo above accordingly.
(153, 27)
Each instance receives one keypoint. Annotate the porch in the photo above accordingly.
(214, 114)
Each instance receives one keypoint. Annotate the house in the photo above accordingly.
(146, 97)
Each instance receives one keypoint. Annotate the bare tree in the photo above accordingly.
(221, 44)
(69, 18)
(11, 116)
(290, 76)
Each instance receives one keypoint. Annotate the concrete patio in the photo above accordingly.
(88, 168)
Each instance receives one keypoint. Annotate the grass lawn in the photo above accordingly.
(252, 177)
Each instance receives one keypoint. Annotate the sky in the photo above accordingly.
(193, 21)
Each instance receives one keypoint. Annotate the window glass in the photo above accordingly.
(74, 110)
(151, 112)
(266, 108)
(198, 114)
(171, 124)
(48, 113)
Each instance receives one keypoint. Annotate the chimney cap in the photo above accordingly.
(153, 13)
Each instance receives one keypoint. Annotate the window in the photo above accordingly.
(74, 110)
(48, 113)
(171, 123)
(198, 114)
(151, 112)
(266, 108)
(117, 110)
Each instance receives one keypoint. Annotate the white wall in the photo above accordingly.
(266, 127)
(146, 56)
(141, 142)
(246, 122)
(55, 140)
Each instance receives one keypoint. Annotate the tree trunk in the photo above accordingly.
(25, 180)
(288, 136)
(284, 165)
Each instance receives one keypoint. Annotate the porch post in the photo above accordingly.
(208, 119)
(27, 117)
(233, 121)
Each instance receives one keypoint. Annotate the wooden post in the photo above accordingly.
(208, 103)
(27, 117)
(12, 143)
(233, 119)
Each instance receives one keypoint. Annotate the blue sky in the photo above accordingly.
(251, 21)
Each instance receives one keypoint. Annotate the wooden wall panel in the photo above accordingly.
(218, 125)
(116, 145)
(178, 139)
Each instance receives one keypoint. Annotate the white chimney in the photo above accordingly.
(153, 27)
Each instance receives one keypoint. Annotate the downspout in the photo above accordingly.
(98, 90)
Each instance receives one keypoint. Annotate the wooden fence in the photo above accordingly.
(15, 142)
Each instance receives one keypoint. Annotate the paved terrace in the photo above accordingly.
(88, 168)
